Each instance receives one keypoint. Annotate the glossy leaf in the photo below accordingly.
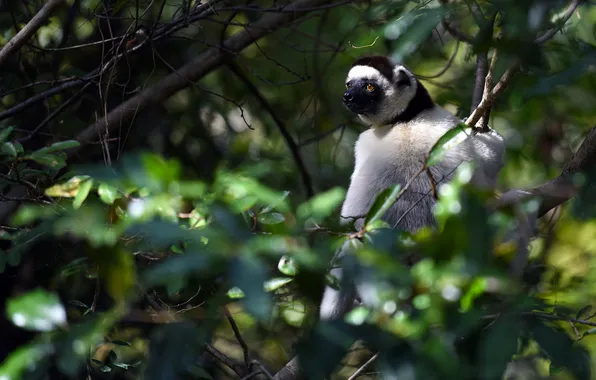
(4, 133)
(446, 142)
(82, 194)
(58, 146)
(321, 205)
(36, 310)
(382, 203)
(107, 193)
(271, 218)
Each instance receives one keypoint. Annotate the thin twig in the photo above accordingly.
(447, 66)
(206, 62)
(237, 368)
(551, 33)
(238, 336)
(28, 30)
(490, 97)
(294, 149)
(361, 369)
(543, 315)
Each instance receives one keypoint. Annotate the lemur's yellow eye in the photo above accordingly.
(370, 87)
(348, 85)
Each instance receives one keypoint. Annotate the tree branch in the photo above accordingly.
(194, 70)
(551, 33)
(490, 97)
(28, 30)
(306, 179)
(560, 189)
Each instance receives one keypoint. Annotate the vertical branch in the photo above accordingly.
(481, 71)
(294, 148)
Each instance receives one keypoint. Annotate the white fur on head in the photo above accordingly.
(395, 98)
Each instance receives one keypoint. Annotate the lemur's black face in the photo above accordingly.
(362, 96)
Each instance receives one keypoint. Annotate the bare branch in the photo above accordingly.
(238, 336)
(481, 71)
(361, 369)
(456, 33)
(560, 189)
(290, 371)
(306, 179)
(551, 33)
(490, 97)
(28, 30)
(192, 71)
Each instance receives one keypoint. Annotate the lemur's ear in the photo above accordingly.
(402, 78)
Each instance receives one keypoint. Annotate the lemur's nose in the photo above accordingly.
(347, 97)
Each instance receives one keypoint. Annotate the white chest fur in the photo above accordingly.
(391, 155)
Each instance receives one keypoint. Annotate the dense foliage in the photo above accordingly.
(171, 176)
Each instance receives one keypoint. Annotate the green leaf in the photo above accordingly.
(321, 205)
(476, 289)
(68, 189)
(36, 310)
(53, 161)
(23, 358)
(9, 149)
(382, 203)
(498, 347)
(583, 312)
(276, 283)
(271, 218)
(82, 194)
(235, 293)
(249, 274)
(61, 145)
(451, 138)
(561, 349)
(287, 266)
(5, 133)
(107, 193)
(411, 29)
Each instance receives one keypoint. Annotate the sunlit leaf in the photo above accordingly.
(476, 289)
(287, 266)
(36, 310)
(271, 218)
(235, 293)
(382, 203)
(276, 283)
(107, 193)
(24, 358)
(446, 142)
(68, 189)
(82, 194)
(321, 205)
